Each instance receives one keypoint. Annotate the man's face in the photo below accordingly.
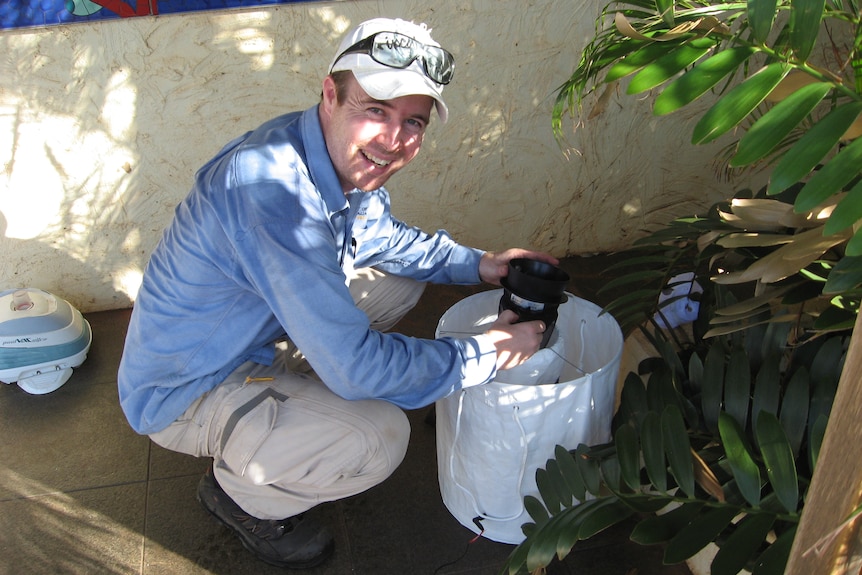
(369, 140)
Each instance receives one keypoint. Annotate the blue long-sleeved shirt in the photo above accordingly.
(259, 250)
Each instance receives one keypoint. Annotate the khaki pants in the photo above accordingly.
(281, 441)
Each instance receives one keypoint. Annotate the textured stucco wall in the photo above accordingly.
(102, 127)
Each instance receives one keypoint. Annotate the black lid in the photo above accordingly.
(536, 280)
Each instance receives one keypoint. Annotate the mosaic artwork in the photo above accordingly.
(36, 13)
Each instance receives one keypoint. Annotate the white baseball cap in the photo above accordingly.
(384, 82)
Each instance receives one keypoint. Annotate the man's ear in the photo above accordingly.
(329, 96)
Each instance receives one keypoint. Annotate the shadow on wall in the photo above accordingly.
(31, 263)
(107, 124)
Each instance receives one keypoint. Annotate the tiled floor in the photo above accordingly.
(80, 493)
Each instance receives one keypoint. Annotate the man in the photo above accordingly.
(257, 337)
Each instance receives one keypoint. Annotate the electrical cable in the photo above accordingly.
(476, 521)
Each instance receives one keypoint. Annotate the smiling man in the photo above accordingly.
(259, 337)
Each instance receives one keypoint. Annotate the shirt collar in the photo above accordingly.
(319, 165)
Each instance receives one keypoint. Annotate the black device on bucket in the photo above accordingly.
(534, 290)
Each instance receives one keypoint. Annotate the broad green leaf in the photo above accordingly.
(833, 176)
(776, 337)
(646, 502)
(761, 14)
(700, 79)
(713, 386)
(537, 512)
(633, 399)
(558, 483)
(616, 51)
(702, 530)
(554, 538)
(547, 492)
(743, 543)
(767, 387)
(774, 559)
(854, 245)
(822, 397)
(804, 354)
(663, 528)
(665, 9)
(807, 152)
(828, 361)
(690, 412)
(737, 386)
(568, 529)
(695, 373)
(542, 550)
(638, 59)
(661, 391)
(753, 345)
(672, 360)
(570, 472)
(815, 439)
(738, 103)
(589, 469)
(628, 454)
(518, 557)
(805, 18)
(739, 455)
(835, 318)
(652, 446)
(678, 448)
(794, 409)
(778, 457)
(603, 517)
(771, 128)
(669, 65)
(845, 276)
(610, 470)
(847, 212)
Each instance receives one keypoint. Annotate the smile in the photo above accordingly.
(375, 160)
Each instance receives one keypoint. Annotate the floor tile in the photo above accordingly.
(73, 438)
(89, 532)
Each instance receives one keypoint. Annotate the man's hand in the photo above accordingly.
(495, 265)
(515, 342)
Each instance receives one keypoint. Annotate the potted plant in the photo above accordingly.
(719, 443)
(716, 438)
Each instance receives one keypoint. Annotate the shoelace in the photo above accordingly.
(267, 528)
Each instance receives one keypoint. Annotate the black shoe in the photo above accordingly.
(295, 542)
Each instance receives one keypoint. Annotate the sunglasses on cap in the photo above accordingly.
(399, 51)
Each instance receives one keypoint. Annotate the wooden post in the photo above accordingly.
(824, 544)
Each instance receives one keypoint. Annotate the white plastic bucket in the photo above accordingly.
(491, 438)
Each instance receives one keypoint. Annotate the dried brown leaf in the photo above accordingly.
(704, 477)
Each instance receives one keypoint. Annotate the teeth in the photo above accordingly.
(376, 160)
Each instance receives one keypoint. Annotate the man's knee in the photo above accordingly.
(385, 298)
(393, 435)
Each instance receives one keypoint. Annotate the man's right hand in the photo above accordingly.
(515, 342)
